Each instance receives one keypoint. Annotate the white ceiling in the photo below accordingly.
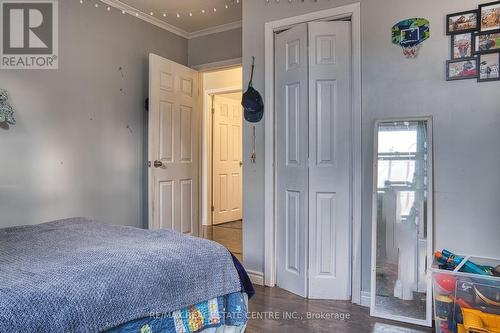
(167, 10)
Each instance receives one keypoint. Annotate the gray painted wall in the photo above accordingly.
(79, 147)
(466, 123)
(215, 47)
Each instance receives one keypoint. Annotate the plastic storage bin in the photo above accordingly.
(466, 302)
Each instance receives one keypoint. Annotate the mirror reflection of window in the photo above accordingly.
(402, 170)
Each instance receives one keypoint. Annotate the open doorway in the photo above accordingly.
(222, 175)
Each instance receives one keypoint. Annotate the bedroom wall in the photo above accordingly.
(466, 123)
(79, 146)
(216, 47)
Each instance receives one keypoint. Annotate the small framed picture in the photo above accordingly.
(461, 69)
(462, 46)
(462, 22)
(489, 67)
(487, 42)
(490, 16)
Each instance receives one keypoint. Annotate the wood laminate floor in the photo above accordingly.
(275, 310)
(270, 307)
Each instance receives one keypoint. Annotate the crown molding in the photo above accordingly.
(169, 27)
(216, 29)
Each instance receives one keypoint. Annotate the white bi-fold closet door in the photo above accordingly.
(313, 169)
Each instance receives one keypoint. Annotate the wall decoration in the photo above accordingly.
(490, 16)
(462, 46)
(475, 43)
(461, 69)
(410, 34)
(462, 22)
(486, 42)
(6, 111)
(489, 65)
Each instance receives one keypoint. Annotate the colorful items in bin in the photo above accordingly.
(477, 321)
(450, 261)
(446, 283)
(496, 271)
(488, 295)
(444, 305)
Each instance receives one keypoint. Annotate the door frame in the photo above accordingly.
(352, 11)
(206, 154)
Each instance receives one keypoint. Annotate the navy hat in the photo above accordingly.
(252, 102)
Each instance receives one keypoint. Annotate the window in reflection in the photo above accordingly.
(401, 222)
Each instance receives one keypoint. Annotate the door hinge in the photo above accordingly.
(213, 209)
(213, 110)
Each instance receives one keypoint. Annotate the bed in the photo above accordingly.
(80, 275)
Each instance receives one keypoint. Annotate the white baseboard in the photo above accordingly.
(256, 277)
(365, 298)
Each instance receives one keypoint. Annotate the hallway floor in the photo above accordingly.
(228, 234)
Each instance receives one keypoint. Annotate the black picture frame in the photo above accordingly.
(449, 16)
(479, 61)
(480, 14)
(477, 35)
(475, 76)
(472, 46)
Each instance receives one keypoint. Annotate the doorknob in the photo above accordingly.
(158, 164)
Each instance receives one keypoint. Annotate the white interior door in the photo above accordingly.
(292, 159)
(227, 158)
(173, 146)
(330, 126)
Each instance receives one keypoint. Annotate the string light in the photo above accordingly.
(165, 14)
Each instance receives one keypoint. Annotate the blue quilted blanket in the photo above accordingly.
(78, 275)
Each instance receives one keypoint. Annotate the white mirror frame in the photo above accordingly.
(430, 223)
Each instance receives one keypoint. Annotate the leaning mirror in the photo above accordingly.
(402, 221)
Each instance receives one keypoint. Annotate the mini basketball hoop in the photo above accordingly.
(410, 34)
